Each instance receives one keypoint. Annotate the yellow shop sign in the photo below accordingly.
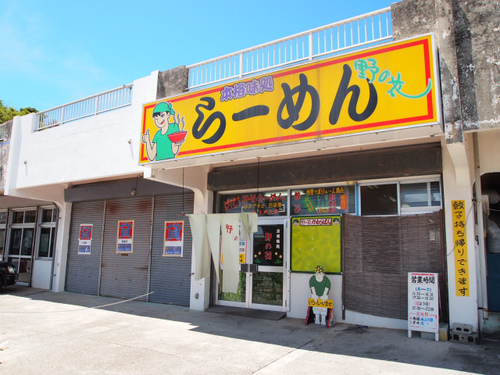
(383, 88)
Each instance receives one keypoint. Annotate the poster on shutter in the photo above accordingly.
(125, 240)
(174, 238)
(85, 239)
(423, 299)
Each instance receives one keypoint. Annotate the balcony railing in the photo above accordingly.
(91, 106)
(350, 34)
(356, 32)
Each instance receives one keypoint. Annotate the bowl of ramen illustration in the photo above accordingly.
(177, 136)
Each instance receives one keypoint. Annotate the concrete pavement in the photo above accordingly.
(63, 333)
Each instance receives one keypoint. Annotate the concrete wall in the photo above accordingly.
(478, 52)
(97, 147)
(42, 164)
(5, 130)
(466, 35)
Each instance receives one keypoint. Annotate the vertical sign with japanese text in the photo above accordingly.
(423, 302)
(243, 251)
(268, 245)
(85, 239)
(380, 88)
(125, 237)
(174, 239)
(460, 248)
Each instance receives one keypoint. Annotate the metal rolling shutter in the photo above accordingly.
(170, 276)
(126, 276)
(83, 270)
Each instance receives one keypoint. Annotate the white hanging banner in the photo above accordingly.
(213, 232)
(249, 223)
(201, 253)
(230, 227)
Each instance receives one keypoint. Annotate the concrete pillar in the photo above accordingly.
(458, 185)
(61, 250)
(450, 25)
(172, 82)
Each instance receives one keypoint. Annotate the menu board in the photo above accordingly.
(316, 240)
(332, 200)
(423, 300)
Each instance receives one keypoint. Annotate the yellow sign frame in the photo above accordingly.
(387, 87)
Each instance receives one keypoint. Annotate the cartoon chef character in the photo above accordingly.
(162, 147)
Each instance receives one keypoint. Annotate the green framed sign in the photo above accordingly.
(316, 240)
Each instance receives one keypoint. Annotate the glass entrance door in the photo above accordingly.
(21, 240)
(262, 277)
(20, 252)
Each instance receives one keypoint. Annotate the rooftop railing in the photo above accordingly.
(350, 34)
(91, 106)
(356, 32)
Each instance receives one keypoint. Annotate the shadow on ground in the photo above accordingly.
(342, 339)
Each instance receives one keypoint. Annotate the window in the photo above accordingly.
(47, 236)
(47, 233)
(263, 203)
(421, 196)
(24, 217)
(400, 197)
(3, 218)
(379, 199)
(324, 200)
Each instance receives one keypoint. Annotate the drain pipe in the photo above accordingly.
(481, 253)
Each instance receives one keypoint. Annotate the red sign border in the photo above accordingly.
(423, 41)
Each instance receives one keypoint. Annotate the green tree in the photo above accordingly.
(8, 113)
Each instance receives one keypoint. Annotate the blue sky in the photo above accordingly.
(54, 52)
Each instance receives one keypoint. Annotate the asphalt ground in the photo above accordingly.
(63, 333)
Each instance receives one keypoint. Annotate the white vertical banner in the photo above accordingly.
(200, 246)
(230, 251)
(249, 222)
(213, 232)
